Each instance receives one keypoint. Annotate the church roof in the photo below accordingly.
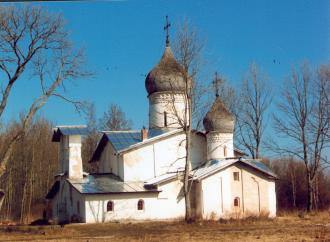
(123, 141)
(161, 179)
(107, 183)
(58, 131)
(166, 76)
(53, 190)
(218, 118)
(126, 140)
(214, 166)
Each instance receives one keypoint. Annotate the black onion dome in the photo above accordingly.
(166, 76)
(218, 118)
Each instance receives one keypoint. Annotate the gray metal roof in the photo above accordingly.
(259, 165)
(160, 179)
(107, 184)
(213, 166)
(124, 139)
(69, 130)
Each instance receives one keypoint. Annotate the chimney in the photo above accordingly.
(75, 162)
(69, 138)
(144, 134)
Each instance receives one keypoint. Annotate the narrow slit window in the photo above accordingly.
(71, 200)
(225, 151)
(165, 119)
(78, 207)
(110, 206)
(236, 176)
(140, 205)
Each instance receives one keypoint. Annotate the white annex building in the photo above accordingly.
(141, 172)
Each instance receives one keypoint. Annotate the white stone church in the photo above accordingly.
(141, 171)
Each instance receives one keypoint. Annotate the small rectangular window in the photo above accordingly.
(236, 176)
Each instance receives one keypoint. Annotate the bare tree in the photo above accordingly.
(255, 99)
(34, 41)
(292, 174)
(115, 119)
(90, 141)
(304, 119)
(188, 48)
(30, 171)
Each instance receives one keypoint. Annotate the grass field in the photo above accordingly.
(288, 227)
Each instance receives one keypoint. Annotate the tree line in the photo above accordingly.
(291, 186)
(34, 161)
(299, 117)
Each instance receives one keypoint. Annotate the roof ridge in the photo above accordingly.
(120, 131)
(72, 126)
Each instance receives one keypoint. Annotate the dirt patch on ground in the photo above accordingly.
(314, 227)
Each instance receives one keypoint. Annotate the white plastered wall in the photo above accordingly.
(162, 156)
(216, 143)
(246, 190)
(170, 154)
(172, 104)
(251, 199)
(75, 160)
(168, 204)
(139, 164)
(215, 195)
(70, 156)
(65, 204)
(272, 199)
(110, 162)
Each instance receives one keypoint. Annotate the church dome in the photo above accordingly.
(218, 118)
(167, 75)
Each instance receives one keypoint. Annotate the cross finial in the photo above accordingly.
(166, 28)
(216, 84)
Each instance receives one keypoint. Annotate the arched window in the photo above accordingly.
(236, 202)
(165, 119)
(225, 151)
(110, 206)
(140, 205)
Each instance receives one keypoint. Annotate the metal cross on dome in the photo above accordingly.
(217, 83)
(166, 28)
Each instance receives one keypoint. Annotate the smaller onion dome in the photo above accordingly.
(167, 75)
(218, 118)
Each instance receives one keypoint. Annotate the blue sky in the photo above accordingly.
(125, 39)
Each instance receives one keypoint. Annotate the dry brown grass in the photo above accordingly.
(286, 227)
